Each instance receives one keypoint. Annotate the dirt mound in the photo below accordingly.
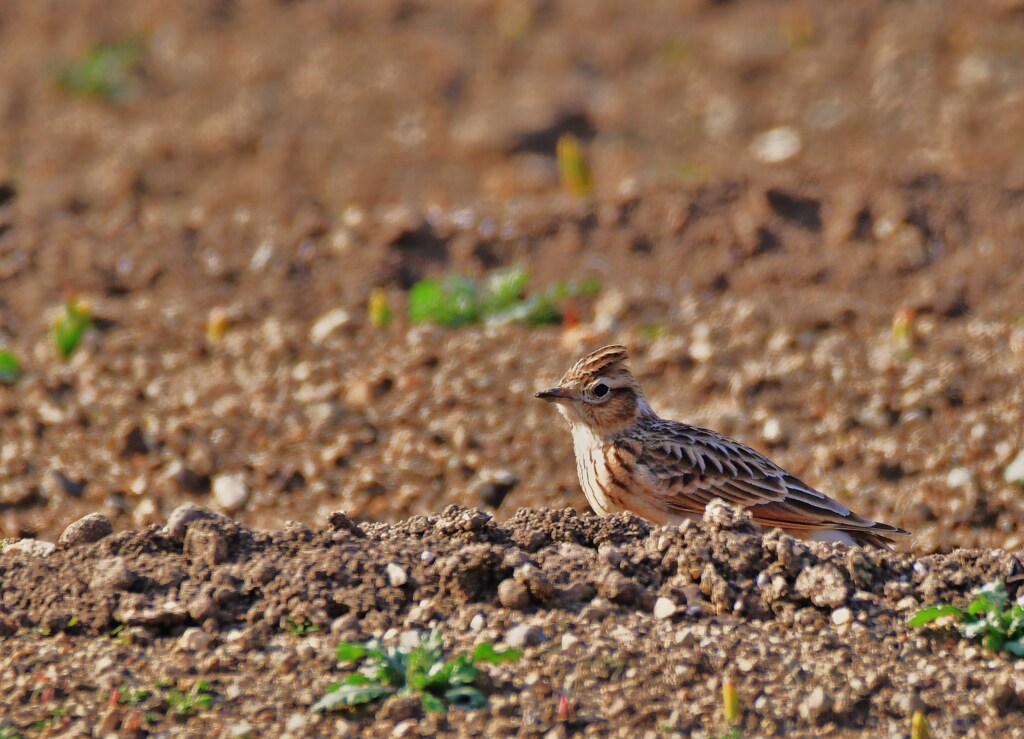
(782, 616)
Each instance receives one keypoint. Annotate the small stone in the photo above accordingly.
(746, 664)
(397, 575)
(610, 554)
(296, 723)
(568, 640)
(230, 492)
(31, 547)
(493, 489)
(194, 640)
(328, 323)
(816, 706)
(513, 594)
(841, 616)
(86, 530)
(664, 608)
(824, 585)
(183, 515)
(776, 145)
(959, 477)
(772, 431)
(524, 635)
(240, 730)
(427, 556)
(1014, 472)
(477, 622)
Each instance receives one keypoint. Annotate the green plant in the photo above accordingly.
(987, 619)
(457, 300)
(107, 71)
(69, 326)
(300, 628)
(573, 168)
(420, 670)
(183, 703)
(378, 309)
(9, 732)
(129, 696)
(118, 635)
(919, 726)
(10, 367)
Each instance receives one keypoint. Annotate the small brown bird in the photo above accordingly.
(628, 459)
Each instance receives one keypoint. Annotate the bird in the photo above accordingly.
(629, 459)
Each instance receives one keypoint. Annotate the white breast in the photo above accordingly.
(591, 469)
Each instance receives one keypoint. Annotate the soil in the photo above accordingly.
(806, 223)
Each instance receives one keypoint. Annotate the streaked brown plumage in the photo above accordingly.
(629, 459)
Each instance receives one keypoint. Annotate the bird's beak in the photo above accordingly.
(554, 394)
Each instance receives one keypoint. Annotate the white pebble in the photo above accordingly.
(397, 575)
(1015, 471)
(958, 477)
(841, 616)
(230, 492)
(327, 324)
(772, 430)
(568, 640)
(776, 145)
(664, 608)
(477, 622)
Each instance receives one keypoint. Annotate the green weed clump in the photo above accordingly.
(107, 71)
(420, 670)
(457, 300)
(990, 618)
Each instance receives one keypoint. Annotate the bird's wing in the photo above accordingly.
(687, 467)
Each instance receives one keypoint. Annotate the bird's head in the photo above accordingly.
(600, 392)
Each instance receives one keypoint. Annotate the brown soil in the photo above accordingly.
(274, 162)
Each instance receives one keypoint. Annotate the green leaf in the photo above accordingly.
(69, 327)
(351, 695)
(10, 367)
(1014, 647)
(465, 697)
(461, 671)
(933, 613)
(433, 704)
(485, 652)
(349, 652)
(504, 288)
(426, 302)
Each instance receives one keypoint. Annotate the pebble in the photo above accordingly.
(524, 635)
(328, 323)
(958, 477)
(1015, 470)
(182, 516)
(824, 585)
(397, 575)
(776, 145)
(31, 547)
(513, 594)
(568, 640)
(427, 556)
(664, 608)
(477, 622)
(841, 616)
(230, 492)
(194, 639)
(816, 706)
(241, 729)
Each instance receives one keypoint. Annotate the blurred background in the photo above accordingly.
(285, 258)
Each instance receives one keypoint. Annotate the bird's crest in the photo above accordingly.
(598, 363)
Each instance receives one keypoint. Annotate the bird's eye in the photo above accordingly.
(600, 390)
